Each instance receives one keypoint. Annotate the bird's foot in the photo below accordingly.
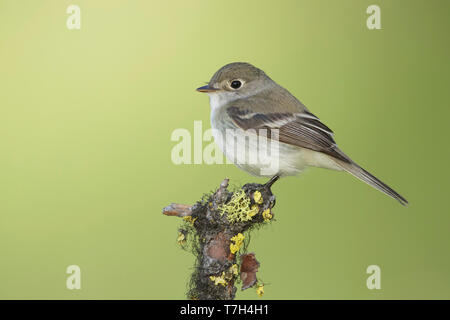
(272, 180)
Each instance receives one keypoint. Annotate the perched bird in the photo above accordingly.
(243, 98)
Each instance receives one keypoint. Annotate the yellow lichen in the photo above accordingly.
(189, 219)
(258, 197)
(219, 279)
(267, 215)
(253, 211)
(238, 241)
(260, 290)
(231, 272)
(234, 269)
(181, 238)
(238, 208)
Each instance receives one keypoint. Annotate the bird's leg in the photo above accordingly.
(272, 180)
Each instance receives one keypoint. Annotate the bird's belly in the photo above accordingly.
(256, 154)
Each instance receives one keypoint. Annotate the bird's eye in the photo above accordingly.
(236, 84)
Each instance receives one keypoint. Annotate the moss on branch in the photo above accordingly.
(216, 229)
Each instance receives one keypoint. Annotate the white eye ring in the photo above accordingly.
(236, 84)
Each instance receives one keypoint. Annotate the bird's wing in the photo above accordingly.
(301, 129)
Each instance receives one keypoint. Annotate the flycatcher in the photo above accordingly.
(243, 98)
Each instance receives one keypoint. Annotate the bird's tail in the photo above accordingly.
(371, 180)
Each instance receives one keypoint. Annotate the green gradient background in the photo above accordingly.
(85, 124)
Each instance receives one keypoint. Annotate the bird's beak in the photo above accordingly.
(207, 88)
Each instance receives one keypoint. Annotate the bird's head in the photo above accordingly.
(237, 80)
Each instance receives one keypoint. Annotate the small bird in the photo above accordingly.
(243, 98)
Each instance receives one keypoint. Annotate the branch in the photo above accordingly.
(216, 229)
(179, 210)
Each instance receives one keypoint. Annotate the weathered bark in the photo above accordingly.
(215, 227)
